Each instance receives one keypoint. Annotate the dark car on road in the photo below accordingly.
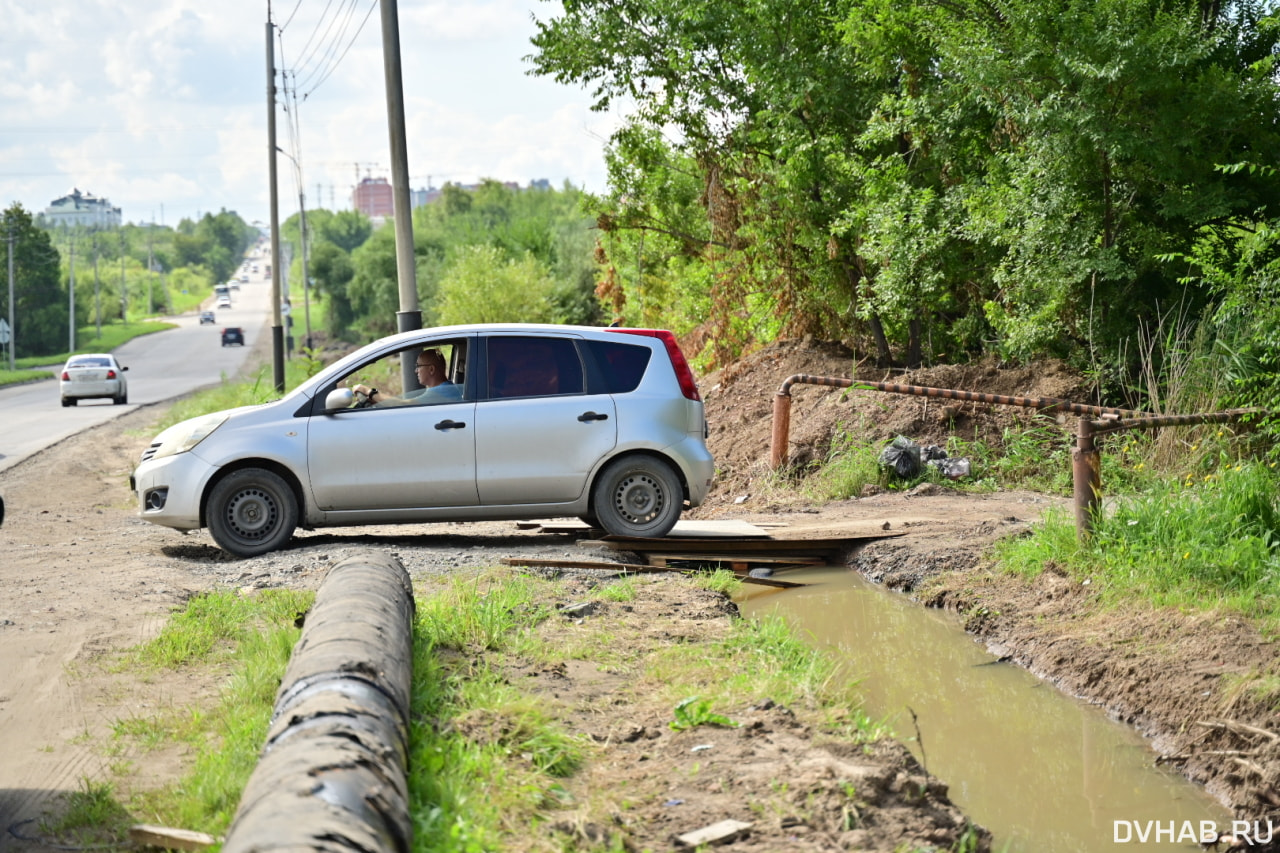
(232, 336)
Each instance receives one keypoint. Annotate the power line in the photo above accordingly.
(373, 5)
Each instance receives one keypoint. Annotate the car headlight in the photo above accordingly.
(180, 438)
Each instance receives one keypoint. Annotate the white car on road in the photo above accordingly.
(93, 375)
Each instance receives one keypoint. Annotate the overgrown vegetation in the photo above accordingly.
(1207, 541)
(934, 181)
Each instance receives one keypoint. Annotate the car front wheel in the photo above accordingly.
(251, 512)
(637, 496)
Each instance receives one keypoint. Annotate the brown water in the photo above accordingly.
(1044, 772)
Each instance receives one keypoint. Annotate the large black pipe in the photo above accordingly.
(332, 775)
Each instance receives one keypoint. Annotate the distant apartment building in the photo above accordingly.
(79, 208)
(372, 197)
(425, 195)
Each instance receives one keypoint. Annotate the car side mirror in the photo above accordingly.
(339, 398)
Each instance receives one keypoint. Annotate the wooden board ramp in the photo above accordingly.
(723, 543)
(731, 528)
(635, 568)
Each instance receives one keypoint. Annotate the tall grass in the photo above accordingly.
(1200, 542)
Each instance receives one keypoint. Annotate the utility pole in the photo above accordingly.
(150, 270)
(97, 288)
(306, 281)
(124, 286)
(277, 329)
(409, 317)
(71, 294)
(13, 331)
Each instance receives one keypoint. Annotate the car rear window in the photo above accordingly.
(89, 362)
(621, 366)
(533, 367)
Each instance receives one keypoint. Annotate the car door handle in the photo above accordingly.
(592, 416)
(448, 424)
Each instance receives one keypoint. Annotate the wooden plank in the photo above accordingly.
(714, 528)
(684, 529)
(716, 833)
(635, 568)
(737, 546)
(753, 559)
(168, 838)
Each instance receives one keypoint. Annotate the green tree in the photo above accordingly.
(332, 269)
(40, 321)
(484, 286)
(923, 177)
(346, 229)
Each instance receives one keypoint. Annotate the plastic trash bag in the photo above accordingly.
(902, 457)
(956, 468)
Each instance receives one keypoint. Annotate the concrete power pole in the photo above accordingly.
(72, 296)
(409, 316)
(277, 327)
(13, 332)
(124, 285)
(97, 288)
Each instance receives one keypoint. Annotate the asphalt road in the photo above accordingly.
(162, 366)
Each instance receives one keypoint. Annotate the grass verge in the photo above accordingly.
(250, 637)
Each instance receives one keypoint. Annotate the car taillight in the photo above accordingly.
(111, 374)
(66, 377)
(688, 387)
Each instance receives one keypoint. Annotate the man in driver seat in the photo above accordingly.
(436, 387)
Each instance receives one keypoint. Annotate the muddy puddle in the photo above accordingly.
(1043, 771)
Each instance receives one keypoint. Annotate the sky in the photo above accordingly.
(160, 106)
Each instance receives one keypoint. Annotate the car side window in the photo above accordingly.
(386, 375)
(621, 366)
(533, 367)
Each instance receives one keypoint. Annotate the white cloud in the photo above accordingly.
(161, 104)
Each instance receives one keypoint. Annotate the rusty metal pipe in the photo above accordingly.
(782, 404)
(1086, 459)
(781, 430)
(1086, 479)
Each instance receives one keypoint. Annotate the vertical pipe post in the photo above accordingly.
(781, 430)
(277, 320)
(1086, 478)
(409, 317)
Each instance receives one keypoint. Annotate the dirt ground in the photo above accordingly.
(83, 577)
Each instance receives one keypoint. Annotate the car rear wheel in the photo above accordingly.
(251, 512)
(122, 399)
(637, 496)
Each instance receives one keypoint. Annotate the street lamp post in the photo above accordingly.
(302, 224)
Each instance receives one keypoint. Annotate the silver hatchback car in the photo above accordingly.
(531, 421)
